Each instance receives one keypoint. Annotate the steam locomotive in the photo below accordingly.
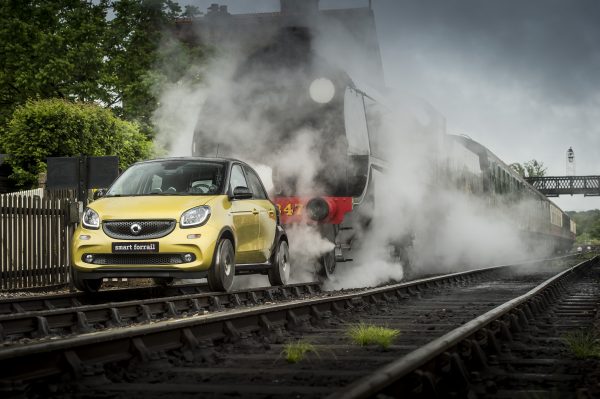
(284, 95)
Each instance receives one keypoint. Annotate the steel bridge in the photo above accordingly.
(553, 186)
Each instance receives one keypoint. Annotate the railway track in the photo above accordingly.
(75, 299)
(240, 351)
(516, 350)
(80, 319)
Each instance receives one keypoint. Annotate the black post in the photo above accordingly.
(82, 185)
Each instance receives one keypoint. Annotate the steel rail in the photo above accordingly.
(85, 319)
(513, 310)
(20, 304)
(22, 363)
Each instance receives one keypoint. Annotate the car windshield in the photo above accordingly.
(170, 177)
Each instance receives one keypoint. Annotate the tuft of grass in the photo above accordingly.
(369, 334)
(583, 343)
(294, 352)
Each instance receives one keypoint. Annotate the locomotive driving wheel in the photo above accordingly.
(327, 265)
(327, 261)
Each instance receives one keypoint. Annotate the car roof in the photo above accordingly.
(203, 159)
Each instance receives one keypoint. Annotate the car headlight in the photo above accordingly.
(195, 217)
(90, 219)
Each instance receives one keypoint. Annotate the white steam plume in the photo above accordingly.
(414, 204)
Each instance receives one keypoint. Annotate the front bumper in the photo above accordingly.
(163, 263)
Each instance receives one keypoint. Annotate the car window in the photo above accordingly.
(156, 184)
(237, 178)
(170, 177)
(255, 186)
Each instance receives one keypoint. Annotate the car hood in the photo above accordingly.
(147, 207)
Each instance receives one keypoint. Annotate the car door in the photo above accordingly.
(245, 218)
(267, 218)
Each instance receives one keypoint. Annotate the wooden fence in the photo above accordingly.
(44, 193)
(35, 236)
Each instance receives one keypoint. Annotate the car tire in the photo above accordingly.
(221, 273)
(83, 284)
(163, 281)
(279, 274)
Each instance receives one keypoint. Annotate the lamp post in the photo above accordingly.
(570, 162)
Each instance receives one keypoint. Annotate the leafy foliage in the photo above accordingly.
(368, 334)
(588, 226)
(517, 167)
(143, 55)
(114, 54)
(51, 128)
(531, 168)
(583, 343)
(69, 49)
(295, 352)
(50, 49)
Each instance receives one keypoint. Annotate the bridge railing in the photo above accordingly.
(561, 185)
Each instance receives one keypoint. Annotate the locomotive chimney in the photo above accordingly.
(299, 13)
(299, 7)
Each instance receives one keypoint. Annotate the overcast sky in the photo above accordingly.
(520, 76)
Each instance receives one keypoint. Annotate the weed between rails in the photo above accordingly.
(583, 343)
(294, 352)
(368, 334)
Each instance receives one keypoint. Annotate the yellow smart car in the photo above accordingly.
(181, 218)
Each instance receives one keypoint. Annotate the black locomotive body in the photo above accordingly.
(323, 137)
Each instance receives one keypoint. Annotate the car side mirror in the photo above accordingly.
(241, 192)
(99, 193)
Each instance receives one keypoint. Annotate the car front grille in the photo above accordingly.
(122, 229)
(137, 259)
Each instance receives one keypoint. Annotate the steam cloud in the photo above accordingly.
(447, 228)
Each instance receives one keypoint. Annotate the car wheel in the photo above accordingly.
(220, 274)
(85, 285)
(279, 274)
(163, 281)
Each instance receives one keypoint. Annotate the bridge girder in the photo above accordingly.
(553, 186)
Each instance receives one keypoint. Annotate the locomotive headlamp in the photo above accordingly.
(318, 209)
(321, 90)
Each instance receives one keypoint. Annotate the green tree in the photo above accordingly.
(531, 168)
(517, 167)
(535, 168)
(588, 225)
(143, 54)
(69, 49)
(56, 127)
(51, 49)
